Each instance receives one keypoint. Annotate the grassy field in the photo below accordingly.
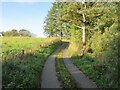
(23, 60)
(16, 45)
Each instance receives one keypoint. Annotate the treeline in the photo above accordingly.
(15, 33)
(94, 31)
(80, 22)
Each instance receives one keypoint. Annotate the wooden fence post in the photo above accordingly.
(23, 52)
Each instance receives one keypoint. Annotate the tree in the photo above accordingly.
(84, 16)
(88, 17)
(53, 26)
(13, 32)
(24, 32)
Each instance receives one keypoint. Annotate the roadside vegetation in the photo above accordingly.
(23, 70)
(94, 32)
(102, 67)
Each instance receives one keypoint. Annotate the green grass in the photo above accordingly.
(25, 71)
(95, 71)
(63, 74)
(15, 45)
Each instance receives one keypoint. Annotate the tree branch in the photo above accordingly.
(77, 26)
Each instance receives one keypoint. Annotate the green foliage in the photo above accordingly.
(112, 60)
(53, 27)
(75, 34)
(75, 41)
(102, 50)
(24, 32)
(11, 33)
(25, 71)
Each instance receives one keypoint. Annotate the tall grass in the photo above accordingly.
(24, 71)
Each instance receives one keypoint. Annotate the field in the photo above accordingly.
(23, 60)
(16, 45)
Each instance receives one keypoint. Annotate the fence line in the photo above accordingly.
(14, 54)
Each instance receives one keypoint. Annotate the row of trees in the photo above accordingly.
(66, 19)
(22, 32)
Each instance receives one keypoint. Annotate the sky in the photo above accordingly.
(24, 15)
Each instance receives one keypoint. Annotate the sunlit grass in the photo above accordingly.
(24, 71)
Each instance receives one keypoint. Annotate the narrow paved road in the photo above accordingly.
(81, 80)
(49, 75)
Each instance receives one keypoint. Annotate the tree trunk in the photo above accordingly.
(83, 41)
(83, 32)
(61, 35)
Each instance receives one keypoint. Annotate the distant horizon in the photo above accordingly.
(29, 16)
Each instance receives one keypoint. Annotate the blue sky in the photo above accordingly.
(25, 15)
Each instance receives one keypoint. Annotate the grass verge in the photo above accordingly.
(94, 71)
(63, 74)
(26, 72)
